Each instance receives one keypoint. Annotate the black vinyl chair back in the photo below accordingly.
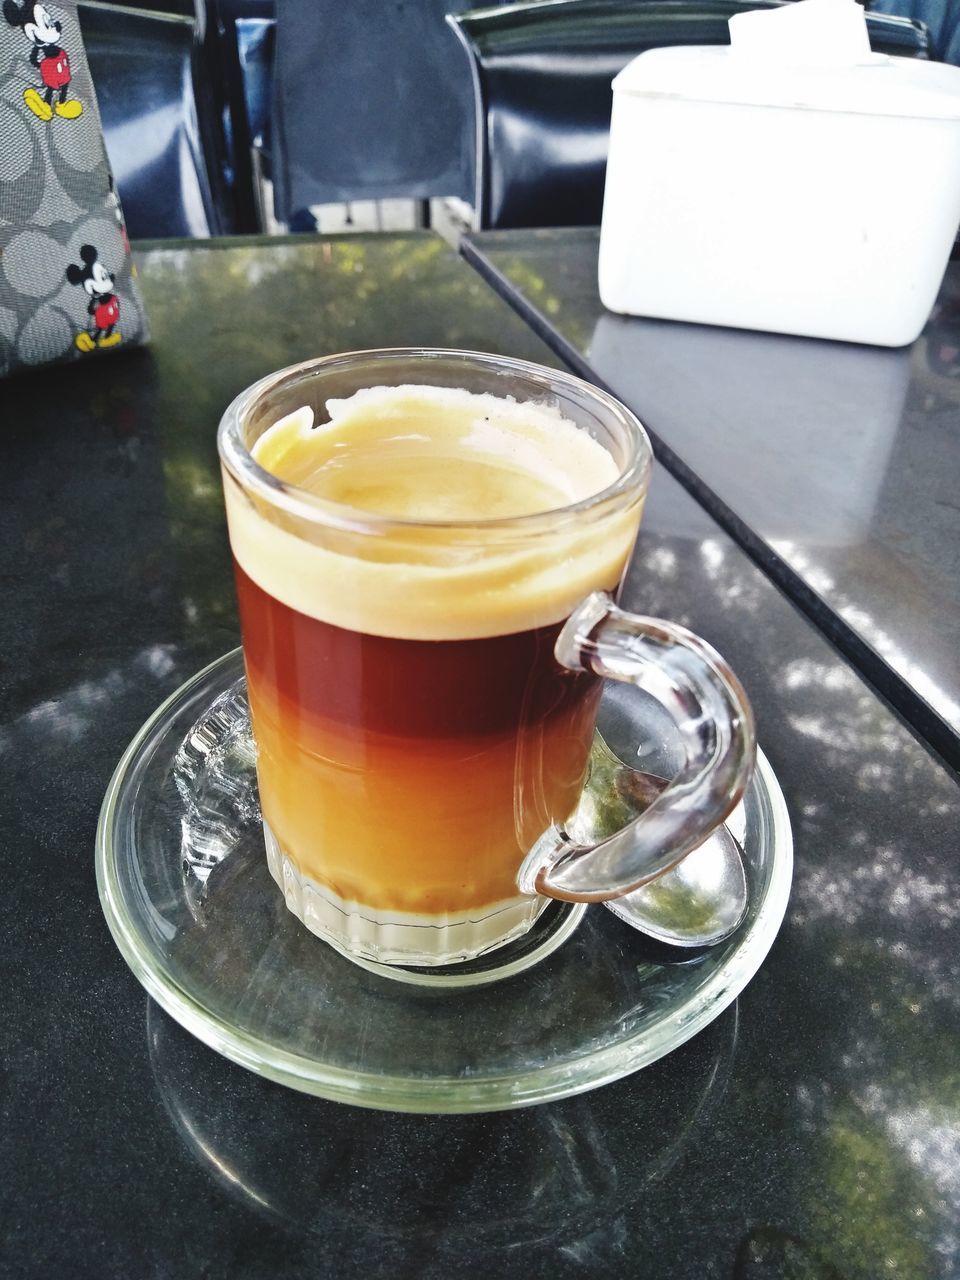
(542, 73)
(371, 102)
(143, 67)
(237, 39)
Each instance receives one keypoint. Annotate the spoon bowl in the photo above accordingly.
(700, 902)
(697, 903)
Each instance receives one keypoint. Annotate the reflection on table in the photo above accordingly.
(534, 1178)
(831, 463)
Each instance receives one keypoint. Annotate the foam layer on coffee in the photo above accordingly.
(432, 454)
(436, 453)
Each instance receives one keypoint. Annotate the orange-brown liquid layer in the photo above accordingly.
(411, 775)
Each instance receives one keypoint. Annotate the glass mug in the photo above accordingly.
(423, 691)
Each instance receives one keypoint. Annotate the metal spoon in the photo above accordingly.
(698, 903)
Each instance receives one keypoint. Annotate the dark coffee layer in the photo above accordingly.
(420, 688)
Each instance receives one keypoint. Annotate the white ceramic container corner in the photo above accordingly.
(815, 203)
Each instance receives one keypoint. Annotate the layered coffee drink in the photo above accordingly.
(400, 602)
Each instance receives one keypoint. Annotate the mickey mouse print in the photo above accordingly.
(66, 275)
(43, 34)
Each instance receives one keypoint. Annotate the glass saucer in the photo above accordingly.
(186, 892)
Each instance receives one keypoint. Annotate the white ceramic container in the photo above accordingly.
(795, 199)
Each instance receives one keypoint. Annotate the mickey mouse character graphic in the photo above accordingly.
(48, 56)
(104, 305)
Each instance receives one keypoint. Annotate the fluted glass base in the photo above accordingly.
(397, 937)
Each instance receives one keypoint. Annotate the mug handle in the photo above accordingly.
(710, 710)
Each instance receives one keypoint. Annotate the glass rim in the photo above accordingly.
(632, 481)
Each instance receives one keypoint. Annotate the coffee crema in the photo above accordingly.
(420, 582)
(415, 732)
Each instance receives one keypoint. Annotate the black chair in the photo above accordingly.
(156, 121)
(238, 39)
(370, 102)
(940, 17)
(237, 42)
(541, 75)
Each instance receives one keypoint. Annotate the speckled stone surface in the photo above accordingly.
(835, 464)
(812, 1131)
